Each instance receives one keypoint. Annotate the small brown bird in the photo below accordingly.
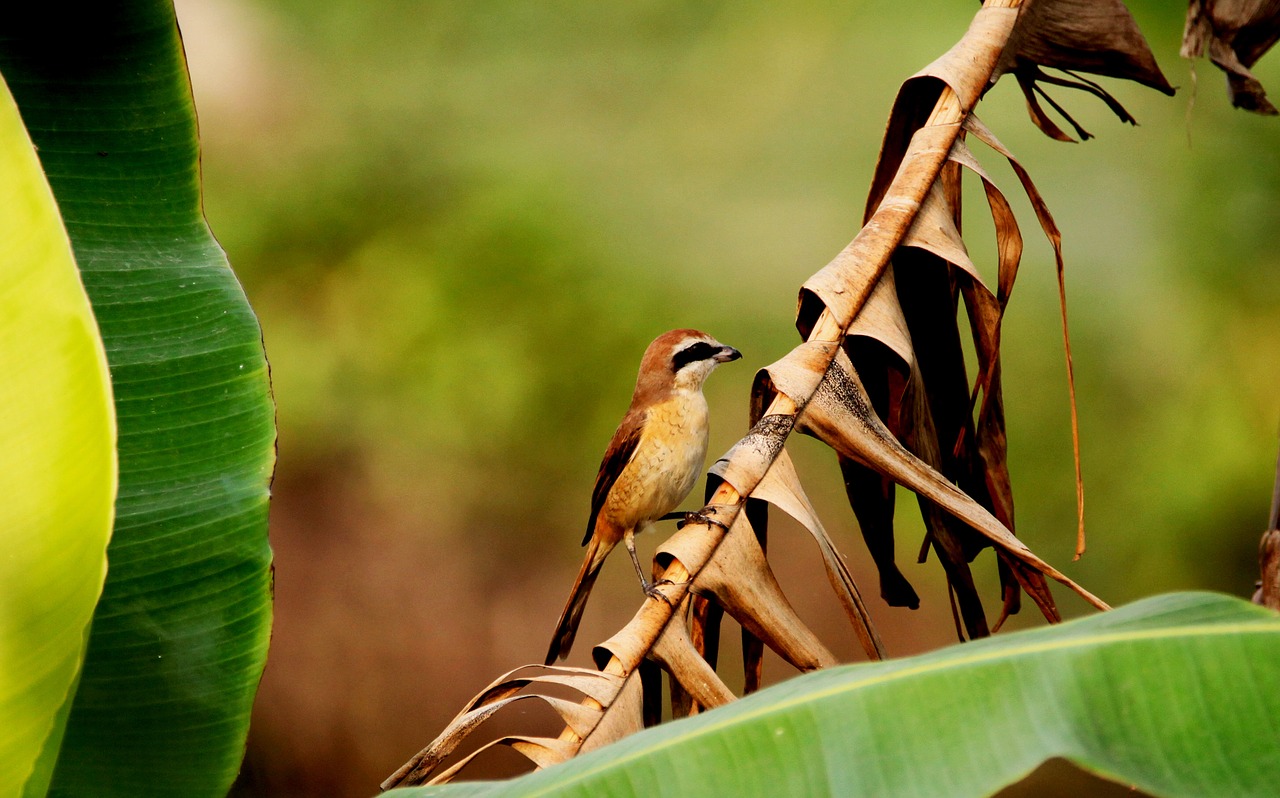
(652, 462)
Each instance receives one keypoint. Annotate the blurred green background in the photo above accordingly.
(461, 223)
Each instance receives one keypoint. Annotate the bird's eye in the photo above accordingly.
(699, 350)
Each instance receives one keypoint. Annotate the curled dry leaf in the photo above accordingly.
(946, 534)
(622, 717)
(601, 690)
(981, 470)
(705, 617)
(879, 343)
(919, 138)
(675, 652)
(1094, 36)
(840, 415)
(740, 579)
(1236, 33)
(781, 488)
(541, 751)
(913, 202)
(974, 125)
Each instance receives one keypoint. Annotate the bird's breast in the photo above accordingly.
(668, 459)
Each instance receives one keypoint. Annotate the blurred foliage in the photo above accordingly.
(461, 223)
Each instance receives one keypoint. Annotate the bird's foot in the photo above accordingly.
(701, 518)
(651, 590)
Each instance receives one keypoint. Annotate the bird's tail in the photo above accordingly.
(567, 628)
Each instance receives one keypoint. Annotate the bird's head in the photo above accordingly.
(682, 359)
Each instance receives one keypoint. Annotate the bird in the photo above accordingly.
(651, 463)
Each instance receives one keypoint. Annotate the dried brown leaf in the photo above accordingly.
(813, 384)
(936, 232)
(705, 617)
(541, 751)
(945, 533)
(623, 717)
(781, 488)
(1268, 593)
(675, 652)
(880, 344)
(928, 296)
(872, 497)
(1236, 34)
(975, 126)
(740, 579)
(1094, 36)
(600, 688)
(840, 414)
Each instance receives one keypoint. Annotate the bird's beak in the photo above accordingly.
(726, 354)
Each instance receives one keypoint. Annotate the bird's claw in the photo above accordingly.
(700, 518)
(651, 590)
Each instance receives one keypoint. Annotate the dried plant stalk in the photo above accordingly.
(912, 222)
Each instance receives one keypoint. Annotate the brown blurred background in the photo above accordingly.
(460, 224)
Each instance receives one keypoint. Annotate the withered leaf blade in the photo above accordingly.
(975, 126)
(935, 232)
(928, 297)
(840, 414)
(705, 617)
(872, 495)
(781, 488)
(993, 450)
(1236, 33)
(945, 533)
(882, 320)
(674, 651)
(1032, 93)
(1268, 592)
(623, 717)
(1095, 36)
(740, 579)
(541, 751)
(601, 688)
(879, 343)
(872, 498)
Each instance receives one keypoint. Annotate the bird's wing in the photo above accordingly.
(621, 449)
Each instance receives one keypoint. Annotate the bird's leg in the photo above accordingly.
(650, 588)
(629, 538)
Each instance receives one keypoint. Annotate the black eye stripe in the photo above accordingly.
(694, 352)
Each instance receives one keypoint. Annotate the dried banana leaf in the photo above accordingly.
(1236, 33)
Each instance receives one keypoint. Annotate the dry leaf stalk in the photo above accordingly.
(912, 423)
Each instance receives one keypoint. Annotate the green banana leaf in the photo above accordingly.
(1177, 695)
(57, 460)
(180, 635)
